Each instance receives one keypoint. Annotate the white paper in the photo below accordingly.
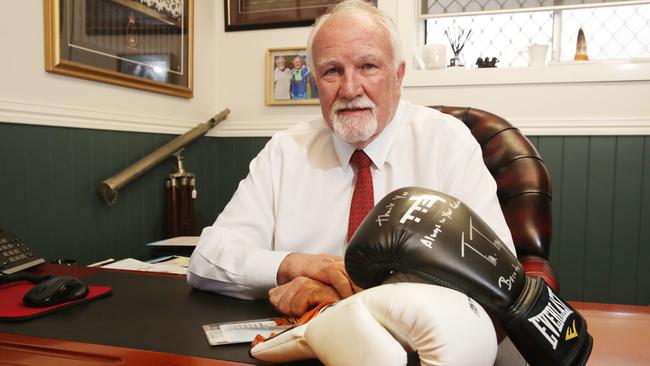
(245, 331)
(136, 265)
(179, 241)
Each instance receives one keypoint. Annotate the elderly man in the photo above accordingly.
(281, 76)
(284, 232)
(299, 78)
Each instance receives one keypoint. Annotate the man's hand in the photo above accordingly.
(324, 268)
(301, 294)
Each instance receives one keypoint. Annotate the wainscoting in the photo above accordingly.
(50, 176)
(601, 216)
(601, 199)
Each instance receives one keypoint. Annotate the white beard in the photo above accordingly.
(354, 129)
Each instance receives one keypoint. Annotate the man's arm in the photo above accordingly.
(234, 256)
(300, 295)
(328, 269)
(306, 280)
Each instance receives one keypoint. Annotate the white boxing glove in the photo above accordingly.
(380, 325)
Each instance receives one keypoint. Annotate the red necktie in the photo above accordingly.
(363, 198)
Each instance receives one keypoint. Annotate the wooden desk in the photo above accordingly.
(34, 351)
(620, 334)
(26, 343)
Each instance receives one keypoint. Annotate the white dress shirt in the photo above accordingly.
(296, 197)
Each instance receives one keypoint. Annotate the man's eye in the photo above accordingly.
(330, 71)
(369, 66)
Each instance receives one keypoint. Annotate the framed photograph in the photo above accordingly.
(288, 78)
(255, 14)
(143, 44)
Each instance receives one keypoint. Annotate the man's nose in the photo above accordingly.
(350, 86)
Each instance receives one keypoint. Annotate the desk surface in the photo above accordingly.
(113, 331)
(620, 333)
(147, 312)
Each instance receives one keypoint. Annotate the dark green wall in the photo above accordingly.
(601, 199)
(601, 216)
(50, 175)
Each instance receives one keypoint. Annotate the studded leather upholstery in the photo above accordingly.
(523, 186)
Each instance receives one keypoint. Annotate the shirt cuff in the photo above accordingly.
(262, 268)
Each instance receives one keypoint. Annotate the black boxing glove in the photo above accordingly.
(417, 234)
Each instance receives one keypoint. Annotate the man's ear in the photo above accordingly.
(401, 69)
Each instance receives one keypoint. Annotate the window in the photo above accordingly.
(504, 29)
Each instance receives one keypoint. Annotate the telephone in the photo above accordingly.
(15, 256)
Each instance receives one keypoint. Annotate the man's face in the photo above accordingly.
(358, 85)
(297, 62)
(279, 63)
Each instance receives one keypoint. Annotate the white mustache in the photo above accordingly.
(358, 103)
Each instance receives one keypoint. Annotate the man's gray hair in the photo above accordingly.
(359, 7)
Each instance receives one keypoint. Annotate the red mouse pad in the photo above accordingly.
(13, 309)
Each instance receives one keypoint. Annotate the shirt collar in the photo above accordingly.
(377, 150)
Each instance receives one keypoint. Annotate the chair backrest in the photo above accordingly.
(523, 182)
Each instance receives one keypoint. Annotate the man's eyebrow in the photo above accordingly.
(367, 57)
(330, 62)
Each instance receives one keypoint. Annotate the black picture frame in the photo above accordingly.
(240, 15)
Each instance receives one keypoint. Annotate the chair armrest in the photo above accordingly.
(539, 267)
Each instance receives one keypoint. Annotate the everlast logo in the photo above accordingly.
(551, 320)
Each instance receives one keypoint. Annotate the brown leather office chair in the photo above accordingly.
(523, 186)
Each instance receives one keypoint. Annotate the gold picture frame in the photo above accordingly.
(132, 43)
(288, 86)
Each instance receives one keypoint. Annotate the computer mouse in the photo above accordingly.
(54, 291)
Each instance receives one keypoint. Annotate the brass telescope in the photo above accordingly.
(108, 188)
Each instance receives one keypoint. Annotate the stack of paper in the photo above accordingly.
(173, 265)
(179, 241)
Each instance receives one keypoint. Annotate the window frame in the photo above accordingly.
(411, 28)
(535, 8)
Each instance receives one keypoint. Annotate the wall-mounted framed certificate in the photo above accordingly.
(143, 44)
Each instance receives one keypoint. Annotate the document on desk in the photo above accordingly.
(136, 265)
(178, 241)
(245, 331)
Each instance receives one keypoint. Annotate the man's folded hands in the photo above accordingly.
(307, 280)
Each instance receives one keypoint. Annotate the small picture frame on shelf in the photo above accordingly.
(289, 81)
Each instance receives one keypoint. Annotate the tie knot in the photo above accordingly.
(360, 159)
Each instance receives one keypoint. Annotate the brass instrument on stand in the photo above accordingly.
(109, 188)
